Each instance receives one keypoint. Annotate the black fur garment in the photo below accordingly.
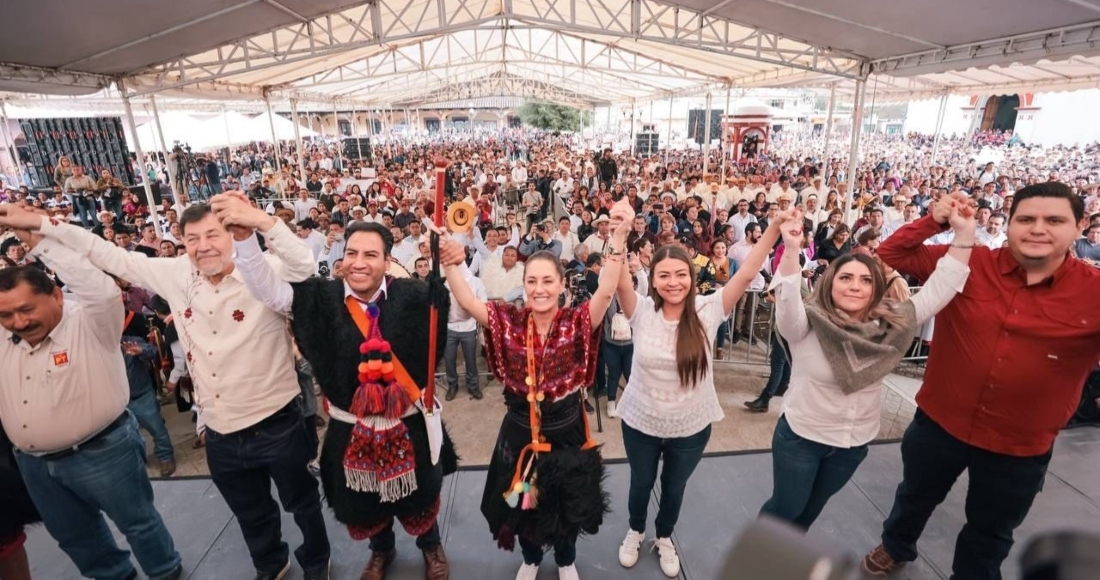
(329, 340)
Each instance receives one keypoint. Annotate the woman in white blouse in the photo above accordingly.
(843, 341)
(669, 402)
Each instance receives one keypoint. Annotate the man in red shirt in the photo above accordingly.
(1010, 355)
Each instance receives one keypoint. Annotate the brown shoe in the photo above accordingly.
(167, 468)
(376, 566)
(435, 564)
(878, 563)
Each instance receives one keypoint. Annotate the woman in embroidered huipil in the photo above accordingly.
(544, 480)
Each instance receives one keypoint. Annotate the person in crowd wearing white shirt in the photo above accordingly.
(781, 188)
(670, 401)
(255, 429)
(567, 238)
(307, 230)
(303, 205)
(812, 211)
(817, 189)
(843, 341)
(895, 213)
(740, 220)
(340, 325)
(746, 306)
(503, 278)
(462, 332)
(405, 248)
(63, 404)
(992, 235)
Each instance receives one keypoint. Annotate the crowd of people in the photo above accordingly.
(579, 266)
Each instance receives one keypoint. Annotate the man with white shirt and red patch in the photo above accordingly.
(255, 431)
(63, 400)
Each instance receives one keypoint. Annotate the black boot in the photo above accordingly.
(759, 405)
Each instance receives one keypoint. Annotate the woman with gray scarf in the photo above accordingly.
(843, 341)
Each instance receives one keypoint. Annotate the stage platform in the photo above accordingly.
(724, 496)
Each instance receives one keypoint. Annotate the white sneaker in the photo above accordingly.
(611, 409)
(670, 562)
(568, 573)
(628, 550)
(527, 572)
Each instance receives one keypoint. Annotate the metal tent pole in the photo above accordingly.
(828, 131)
(153, 210)
(339, 136)
(853, 154)
(225, 121)
(706, 138)
(274, 137)
(939, 126)
(8, 138)
(668, 140)
(632, 105)
(725, 155)
(298, 139)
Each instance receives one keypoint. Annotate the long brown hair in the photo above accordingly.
(880, 307)
(691, 336)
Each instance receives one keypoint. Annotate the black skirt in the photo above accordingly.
(360, 508)
(571, 498)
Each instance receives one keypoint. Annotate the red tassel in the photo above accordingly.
(368, 400)
(397, 401)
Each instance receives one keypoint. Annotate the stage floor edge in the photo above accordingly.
(723, 496)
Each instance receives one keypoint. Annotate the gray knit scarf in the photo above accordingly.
(863, 354)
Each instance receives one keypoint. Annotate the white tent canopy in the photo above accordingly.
(400, 53)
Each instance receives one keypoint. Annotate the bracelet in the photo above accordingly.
(611, 251)
(965, 246)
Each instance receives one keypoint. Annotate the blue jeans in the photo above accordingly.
(147, 411)
(108, 476)
(1002, 489)
(780, 377)
(565, 553)
(618, 358)
(468, 341)
(681, 456)
(806, 474)
(243, 465)
(85, 210)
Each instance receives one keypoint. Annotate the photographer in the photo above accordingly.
(111, 188)
(540, 239)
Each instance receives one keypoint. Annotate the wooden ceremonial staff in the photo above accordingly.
(433, 331)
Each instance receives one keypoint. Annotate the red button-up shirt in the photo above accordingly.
(1008, 360)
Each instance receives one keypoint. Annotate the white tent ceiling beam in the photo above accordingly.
(1021, 48)
(502, 84)
(386, 22)
(81, 83)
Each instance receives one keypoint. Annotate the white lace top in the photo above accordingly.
(654, 402)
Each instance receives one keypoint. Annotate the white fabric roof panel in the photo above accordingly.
(584, 52)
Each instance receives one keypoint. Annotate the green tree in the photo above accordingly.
(553, 117)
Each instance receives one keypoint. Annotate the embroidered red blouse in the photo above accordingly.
(567, 362)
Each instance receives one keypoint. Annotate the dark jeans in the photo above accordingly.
(85, 210)
(385, 540)
(243, 465)
(565, 553)
(147, 411)
(681, 456)
(106, 477)
(618, 358)
(806, 474)
(780, 377)
(468, 341)
(1002, 489)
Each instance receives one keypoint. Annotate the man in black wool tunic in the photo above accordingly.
(365, 336)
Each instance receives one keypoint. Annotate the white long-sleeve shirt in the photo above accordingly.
(815, 406)
(218, 324)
